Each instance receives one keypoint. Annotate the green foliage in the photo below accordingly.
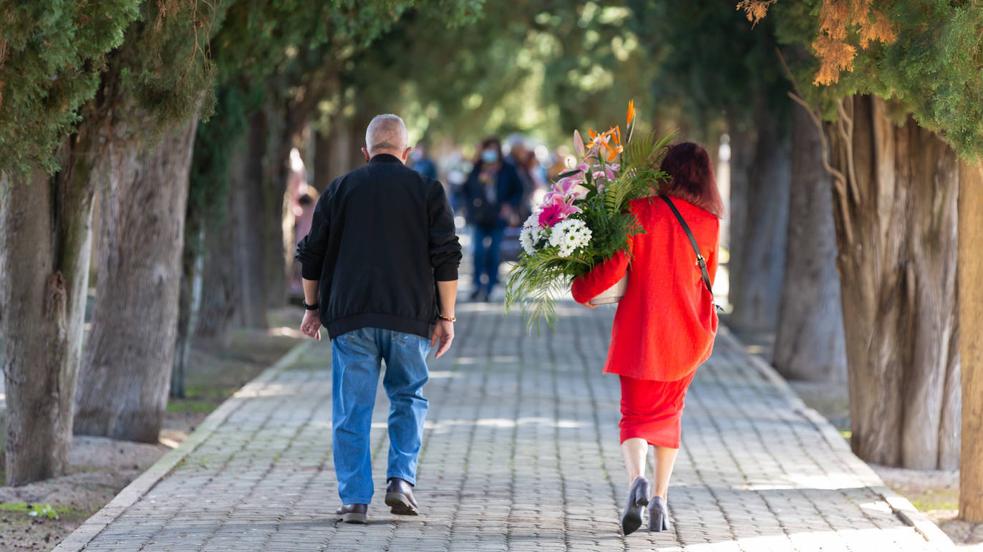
(533, 66)
(710, 61)
(933, 70)
(51, 55)
(538, 281)
(595, 59)
(273, 52)
(163, 73)
(37, 511)
(209, 174)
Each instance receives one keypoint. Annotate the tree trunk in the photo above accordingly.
(809, 341)
(326, 163)
(220, 302)
(971, 348)
(895, 204)
(759, 199)
(249, 224)
(333, 152)
(44, 271)
(189, 302)
(284, 137)
(124, 382)
(742, 150)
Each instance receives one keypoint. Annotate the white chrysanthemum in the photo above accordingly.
(569, 236)
(527, 241)
(531, 234)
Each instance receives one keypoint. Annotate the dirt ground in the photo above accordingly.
(38, 516)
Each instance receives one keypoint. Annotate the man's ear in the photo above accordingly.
(406, 154)
(365, 153)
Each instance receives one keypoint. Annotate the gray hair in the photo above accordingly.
(386, 132)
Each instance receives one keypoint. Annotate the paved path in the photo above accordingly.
(521, 453)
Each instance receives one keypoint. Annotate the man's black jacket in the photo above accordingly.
(381, 238)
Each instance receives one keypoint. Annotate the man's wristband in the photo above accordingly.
(315, 306)
(447, 318)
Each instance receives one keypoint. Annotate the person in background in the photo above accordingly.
(303, 211)
(380, 268)
(560, 165)
(539, 180)
(421, 161)
(518, 157)
(665, 324)
(493, 194)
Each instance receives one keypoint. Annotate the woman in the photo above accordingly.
(493, 193)
(665, 323)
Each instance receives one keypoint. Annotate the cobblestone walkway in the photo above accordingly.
(521, 453)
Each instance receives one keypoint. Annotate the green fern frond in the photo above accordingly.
(638, 150)
(659, 149)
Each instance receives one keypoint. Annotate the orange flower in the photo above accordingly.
(613, 151)
(616, 135)
(631, 112)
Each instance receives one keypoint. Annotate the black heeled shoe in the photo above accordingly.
(638, 497)
(658, 515)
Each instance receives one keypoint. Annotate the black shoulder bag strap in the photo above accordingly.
(692, 241)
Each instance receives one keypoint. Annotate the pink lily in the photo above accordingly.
(570, 187)
(578, 144)
(611, 170)
(555, 209)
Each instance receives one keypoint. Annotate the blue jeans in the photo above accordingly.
(356, 364)
(487, 257)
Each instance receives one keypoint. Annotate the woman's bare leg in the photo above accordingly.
(634, 451)
(665, 458)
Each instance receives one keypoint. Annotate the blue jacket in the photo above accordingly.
(508, 191)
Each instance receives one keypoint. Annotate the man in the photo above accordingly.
(379, 268)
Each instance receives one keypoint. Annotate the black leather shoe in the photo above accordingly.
(658, 515)
(399, 498)
(638, 497)
(353, 513)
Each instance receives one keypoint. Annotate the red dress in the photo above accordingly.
(666, 322)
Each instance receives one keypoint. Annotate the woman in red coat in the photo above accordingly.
(665, 324)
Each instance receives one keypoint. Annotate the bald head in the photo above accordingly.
(386, 134)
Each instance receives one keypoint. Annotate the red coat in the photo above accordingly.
(666, 322)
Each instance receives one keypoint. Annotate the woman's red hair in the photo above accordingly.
(691, 177)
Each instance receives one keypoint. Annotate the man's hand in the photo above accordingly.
(443, 333)
(311, 326)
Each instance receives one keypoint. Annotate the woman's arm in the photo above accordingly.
(601, 277)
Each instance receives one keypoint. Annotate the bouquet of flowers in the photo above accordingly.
(584, 219)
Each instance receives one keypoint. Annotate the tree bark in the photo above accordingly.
(971, 348)
(895, 197)
(124, 382)
(250, 225)
(325, 162)
(44, 271)
(759, 198)
(189, 303)
(333, 152)
(220, 305)
(809, 341)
